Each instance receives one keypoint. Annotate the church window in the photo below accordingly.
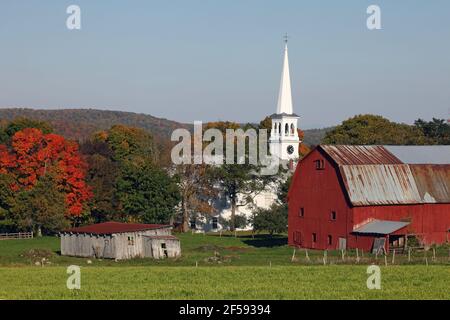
(286, 129)
(292, 129)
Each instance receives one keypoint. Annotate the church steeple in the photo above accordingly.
(285, 95)
(284, 139)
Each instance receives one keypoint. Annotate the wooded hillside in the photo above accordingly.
(79, 124)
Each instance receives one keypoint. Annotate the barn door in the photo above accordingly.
(379, 245)
(342, 244)
(164, 251)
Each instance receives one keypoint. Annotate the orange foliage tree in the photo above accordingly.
(32, 154)
(303, 149)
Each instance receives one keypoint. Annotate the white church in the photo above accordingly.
(283, 143)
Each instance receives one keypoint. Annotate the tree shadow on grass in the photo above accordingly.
(265, 241)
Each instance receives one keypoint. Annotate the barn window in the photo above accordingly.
(314, 237)
(131, 241)
(301, 212)
(320, 164)
(215, 223)
(333, 215)
(330, 240)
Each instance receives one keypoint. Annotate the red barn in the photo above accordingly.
(370, 196)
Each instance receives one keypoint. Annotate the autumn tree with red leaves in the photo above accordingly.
(31, 155)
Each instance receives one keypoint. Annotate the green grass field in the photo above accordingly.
(228, 268)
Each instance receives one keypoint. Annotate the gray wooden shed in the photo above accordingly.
(121, 241)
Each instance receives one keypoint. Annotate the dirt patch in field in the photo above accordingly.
(38, 256)
(239, 249)
(217, 258)
(208, 247)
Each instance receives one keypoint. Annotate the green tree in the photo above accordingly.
(196, 190)
(126, 179)
(274, 220)
(129, 144)
(266, 123)
(147, 194)
(436, 131)
(283, 189)
(7, 201)
(21, 123)
(240, 183)
(372, 129)
(102, 175)
(40, 209)
(240, 221)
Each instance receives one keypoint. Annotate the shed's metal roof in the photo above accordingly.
(381, 227)
(166, 237)
(348, 155)
(421, 154)
(380, 184)
(115, 227)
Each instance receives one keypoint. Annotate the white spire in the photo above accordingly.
(285, 95)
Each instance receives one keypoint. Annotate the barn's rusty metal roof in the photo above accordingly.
(421, 154)
(433, 182)
(381, 227)
(380, 184)
(356, 155)
(376, 175)
(115, 227)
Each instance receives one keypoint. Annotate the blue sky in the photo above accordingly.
(221, 60)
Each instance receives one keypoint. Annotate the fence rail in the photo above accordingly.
(19, 235)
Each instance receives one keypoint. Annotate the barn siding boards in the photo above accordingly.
(318, 192)
(120, 245)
